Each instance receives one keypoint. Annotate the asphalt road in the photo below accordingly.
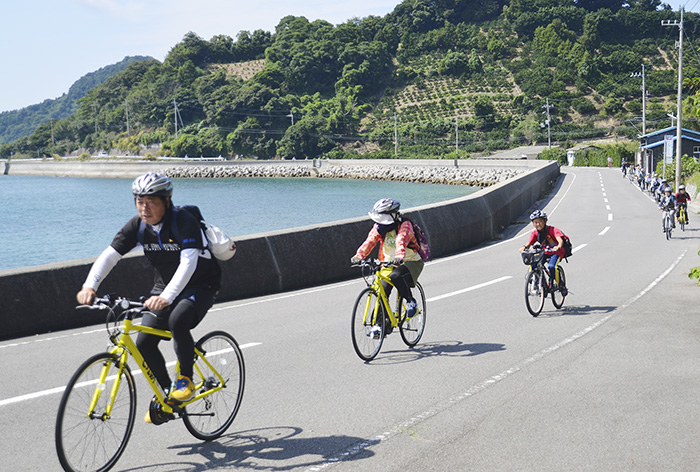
(607, 383)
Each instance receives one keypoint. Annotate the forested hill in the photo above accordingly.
(18, 123)
(443, 76)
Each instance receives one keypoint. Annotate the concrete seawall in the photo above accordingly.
(42, 298)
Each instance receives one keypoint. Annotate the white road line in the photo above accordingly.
(605, 230)
(363, 445)
(609, 216)
(469, 289)
(607, 207)
(579, 247)
(53, 391)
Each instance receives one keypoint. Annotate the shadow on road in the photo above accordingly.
(280, 448)
(447, 348)
(575, 310)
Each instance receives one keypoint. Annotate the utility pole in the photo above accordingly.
(175, 113)
(94, 109)
(457, 137)
(549, 129)
(53, 141)
(291, 115)
(396, 136)
(679, 101)
(128, 130)
(644, 99)
(642, 152)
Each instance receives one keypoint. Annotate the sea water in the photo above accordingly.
(52, 219)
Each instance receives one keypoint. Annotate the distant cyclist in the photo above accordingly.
(398, 245)
(187, 277)
(682, 200)
(668, 202)
(550, 238)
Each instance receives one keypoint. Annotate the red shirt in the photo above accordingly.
(682, 197)
(551, 239)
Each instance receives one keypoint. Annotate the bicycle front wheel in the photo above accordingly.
(366, 340)
(209, 417)
(89, 438)
(412, 328)
(534, 292)
(667, 227)
(557, 295)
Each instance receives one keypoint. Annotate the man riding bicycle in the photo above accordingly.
(187, 277)
(682, 200)
(551, 239)
(668, 203)
(398, 245)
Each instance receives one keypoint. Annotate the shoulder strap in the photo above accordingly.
(139, 234)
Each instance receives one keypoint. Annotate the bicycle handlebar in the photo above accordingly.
(374, 264)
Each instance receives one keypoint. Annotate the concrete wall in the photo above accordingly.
(42, 298)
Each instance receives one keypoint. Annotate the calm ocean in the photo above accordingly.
(52, 219)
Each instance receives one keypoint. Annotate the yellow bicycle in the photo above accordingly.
(98, 408)
(682, 216)
(373, 317)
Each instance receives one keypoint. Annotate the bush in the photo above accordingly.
(556, 154)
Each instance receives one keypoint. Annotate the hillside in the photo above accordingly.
(476, 75)
(18, 123)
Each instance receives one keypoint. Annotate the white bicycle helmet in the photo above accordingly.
(152, 183)
(538, 214)
(681, 187)
(385, 211)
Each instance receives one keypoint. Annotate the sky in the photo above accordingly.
(46, 45)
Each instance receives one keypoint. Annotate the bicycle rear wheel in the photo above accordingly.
(412, 328)
(534, 292)
(681, 219)
(92, 440)
(557, 295)
(210, 417)
(366, 343)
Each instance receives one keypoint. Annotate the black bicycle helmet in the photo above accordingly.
(152, 184)
(538, 214)
(385, 211)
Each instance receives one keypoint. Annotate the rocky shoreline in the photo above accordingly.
(476, 177)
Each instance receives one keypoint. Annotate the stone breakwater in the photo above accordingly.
(477, 177)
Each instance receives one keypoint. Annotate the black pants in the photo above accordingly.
(402, 280)
(179, 318)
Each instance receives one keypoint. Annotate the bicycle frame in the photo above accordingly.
(380, 275)
(544, 270)
(125, 345)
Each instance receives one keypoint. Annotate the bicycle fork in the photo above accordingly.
(102, 385)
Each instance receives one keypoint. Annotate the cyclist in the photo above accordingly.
(187, 277)
(551, 239)
(668, 202)
(398, 245)
(682, 200)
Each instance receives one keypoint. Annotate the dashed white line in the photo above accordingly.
(469, 289)
(605, 230)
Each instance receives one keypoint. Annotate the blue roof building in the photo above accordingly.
(652, 145)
